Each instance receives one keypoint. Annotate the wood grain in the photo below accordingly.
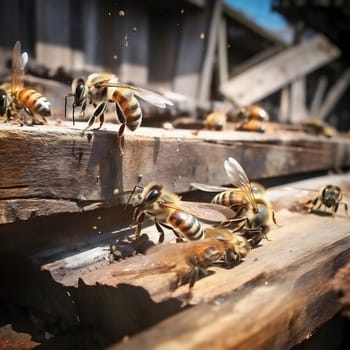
(274, 299)
(59, 166)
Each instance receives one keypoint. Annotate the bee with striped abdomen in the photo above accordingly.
(101, 88)
(168, 210)
(253, 211)
(15, 96)
(252, 118)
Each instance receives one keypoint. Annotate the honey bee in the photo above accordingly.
(254, 226)
(217, 120)
(252, 118)
(100, 88)
(253, 211)
(236, 247)
(15, 97)
(244, 192)
(167, 210)
(318, 127)
(187, 259)
(5, 102)
(330, 196)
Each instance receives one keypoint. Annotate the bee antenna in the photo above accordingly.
(131, 194)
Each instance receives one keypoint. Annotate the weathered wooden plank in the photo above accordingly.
(286, 284)
(256, 83)
(76, 172)
(286, 298)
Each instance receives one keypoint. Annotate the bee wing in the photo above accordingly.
(240, 179)
(18, 63)
(207, 211)
(147, 95)
(210, 188)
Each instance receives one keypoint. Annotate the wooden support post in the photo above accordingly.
(298, 111)
(334, 95)
(318, 96)
(284, 112)
(222, 51)
(208, 62)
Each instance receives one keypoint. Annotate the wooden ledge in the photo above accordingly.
(55, 169)
(276, 298)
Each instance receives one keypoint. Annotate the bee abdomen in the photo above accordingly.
(34, 101)
(225, 198)
(186, 224)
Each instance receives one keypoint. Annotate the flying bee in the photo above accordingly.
(100, 88)
(17, 97)
(330, 196)
(252, 118)
(168, 210)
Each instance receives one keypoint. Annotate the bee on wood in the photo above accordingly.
(168, 210)
(330, 196)
(318, 127)
(254, 225)
(236, 247)
(244, 192)
(253, 211)
(217, 120)
(188, 259)
(101, 88)
(252, 118)
(15, 97)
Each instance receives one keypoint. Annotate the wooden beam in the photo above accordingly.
(73, 173)
(276, 72)
(334, 95)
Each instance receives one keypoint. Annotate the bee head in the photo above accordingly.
(80, 91)
(3, 102)
(153, 193)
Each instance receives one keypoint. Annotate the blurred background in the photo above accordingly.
(291, 57)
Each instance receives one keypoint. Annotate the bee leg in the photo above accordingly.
(120, 139)
(274, 219)
(335, 209)
(160, 230)
(98, 112)
(230, 258)
(345, 208)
